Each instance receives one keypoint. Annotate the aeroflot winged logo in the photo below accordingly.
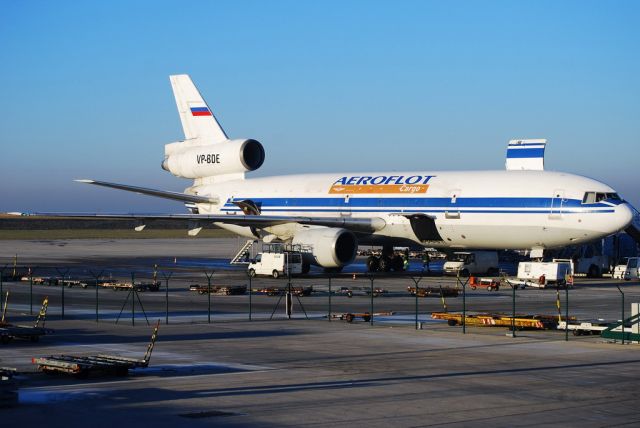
(381, 184)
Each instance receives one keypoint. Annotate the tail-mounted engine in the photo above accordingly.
(206, 160)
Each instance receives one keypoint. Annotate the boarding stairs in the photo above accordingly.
(243, 256)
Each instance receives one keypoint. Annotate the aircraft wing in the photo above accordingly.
(252, 218)
(176, 196)
(363, 225)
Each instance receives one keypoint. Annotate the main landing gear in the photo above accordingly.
(388, 261)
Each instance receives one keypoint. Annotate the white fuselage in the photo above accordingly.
(472, 209)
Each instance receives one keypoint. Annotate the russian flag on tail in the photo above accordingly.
(200, 111)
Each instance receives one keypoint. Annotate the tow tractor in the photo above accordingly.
(489, 284)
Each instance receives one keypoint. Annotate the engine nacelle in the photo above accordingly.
(331, 247)
(207, 160)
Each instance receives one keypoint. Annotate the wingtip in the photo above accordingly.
(84, 180)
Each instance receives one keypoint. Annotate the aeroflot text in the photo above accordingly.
(383, 179)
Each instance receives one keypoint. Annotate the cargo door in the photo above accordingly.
(345, 209)
(453, 211)
(557, 202)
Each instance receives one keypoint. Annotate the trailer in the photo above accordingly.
(139, 286)
(361, 291)
(102, 364)
(352, 316)
(579, 328)
(536, 322)
(9, 331)
(433, 291)
(277, 291)
(221, 290)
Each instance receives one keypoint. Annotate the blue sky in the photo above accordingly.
(325, 86)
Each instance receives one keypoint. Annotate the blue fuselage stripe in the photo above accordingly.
(418, 202)
(431, 205)
(478, 211)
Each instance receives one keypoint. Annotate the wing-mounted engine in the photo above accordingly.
(329, 247)
(187, 160)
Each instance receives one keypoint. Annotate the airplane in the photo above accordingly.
(523, 207)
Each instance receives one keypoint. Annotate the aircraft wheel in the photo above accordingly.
(385, 264)
(373, 263)
(306, 267)
(398, 263)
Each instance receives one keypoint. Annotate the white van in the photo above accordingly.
(276, 264)
(472, 263)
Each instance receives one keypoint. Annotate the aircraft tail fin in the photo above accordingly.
(526, 155)
(197, 118)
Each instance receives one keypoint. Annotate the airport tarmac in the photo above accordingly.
(301, 372)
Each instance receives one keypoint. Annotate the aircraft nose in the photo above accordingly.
(624, 216)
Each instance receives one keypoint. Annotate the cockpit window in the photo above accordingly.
(589, 198)
(594, 197)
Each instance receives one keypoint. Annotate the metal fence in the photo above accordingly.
(414, 299)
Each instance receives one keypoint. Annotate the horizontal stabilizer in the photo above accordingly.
(526, 155)
(176, 196)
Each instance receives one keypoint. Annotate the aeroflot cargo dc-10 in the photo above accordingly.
(522, 207)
